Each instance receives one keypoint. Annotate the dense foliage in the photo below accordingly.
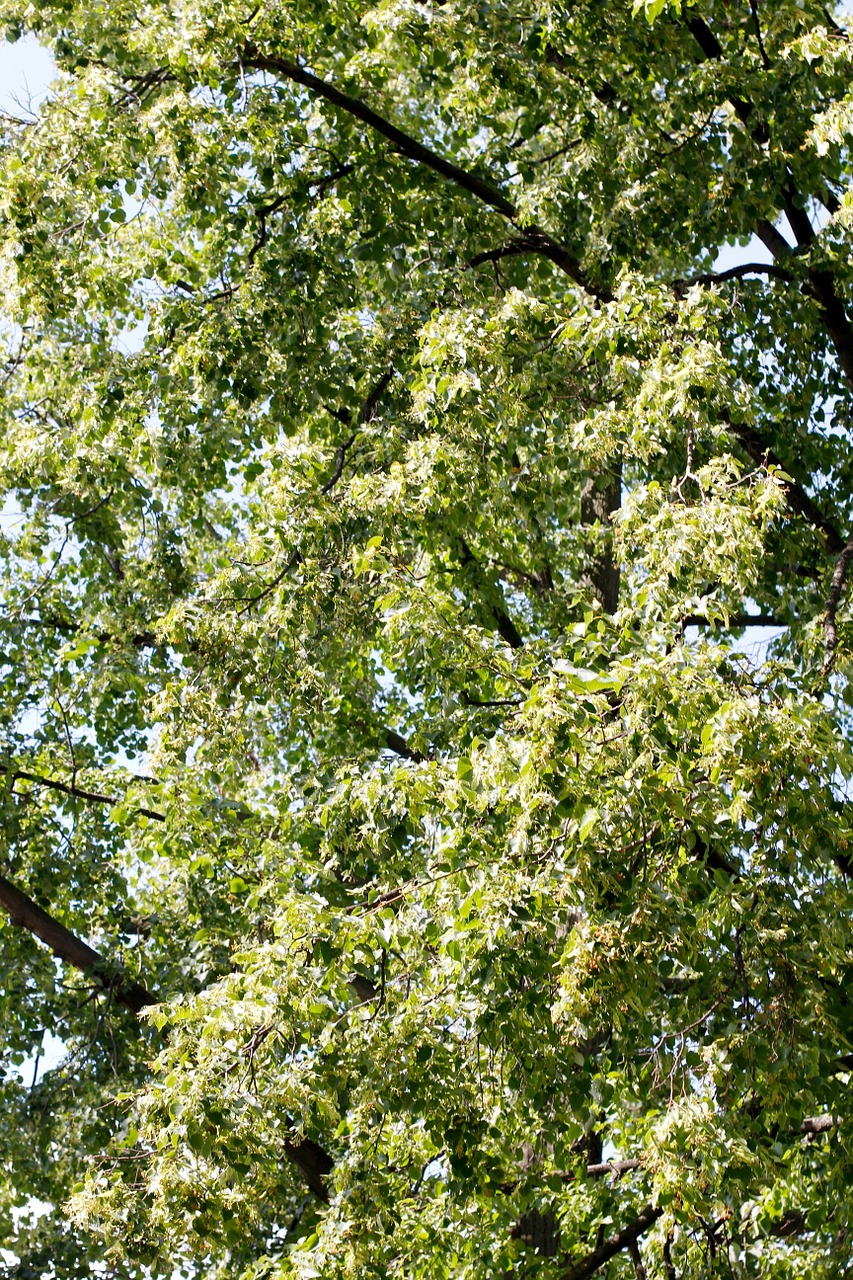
(425, 868)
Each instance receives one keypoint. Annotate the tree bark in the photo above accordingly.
(600, 498)
(28, 915)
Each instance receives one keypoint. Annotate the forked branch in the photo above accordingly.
(616, 1243)
(537, 240)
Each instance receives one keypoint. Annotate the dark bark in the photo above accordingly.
(623, 1239)
(539, 1231)
(367, 414)
(536, 240)
(600, 498)
(26, 914)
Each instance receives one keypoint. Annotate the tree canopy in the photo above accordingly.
(426, 869)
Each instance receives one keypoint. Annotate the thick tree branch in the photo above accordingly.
(773, 240)
(538, 241)
(313, 1163)
(28, 915)
(617, 1167)
(835, 319)
(398, 744)
(623, 1239)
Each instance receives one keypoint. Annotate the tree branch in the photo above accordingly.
(75, 792)
(367, 414)
(612, 1166)
(736, 273)
(28, 915)
(504, 624)
(836, 321)
(623, 1239)
(817, 1124)
(293, 560)
(735, 620)
(538, 241)
(398, 744)
(139, 640)
(798, 500)
(309, 1158)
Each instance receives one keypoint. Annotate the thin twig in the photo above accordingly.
(291, 563)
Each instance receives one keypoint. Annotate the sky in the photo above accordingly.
(26, 70)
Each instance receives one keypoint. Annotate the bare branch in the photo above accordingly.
(617, 1167)
(756, 23)
(293, 560)
(637, 1259)
(504, 624)
(75, 792)
(139, 640)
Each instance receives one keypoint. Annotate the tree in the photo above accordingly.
(426, 870)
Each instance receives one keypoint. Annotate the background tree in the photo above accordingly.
(392, 485)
